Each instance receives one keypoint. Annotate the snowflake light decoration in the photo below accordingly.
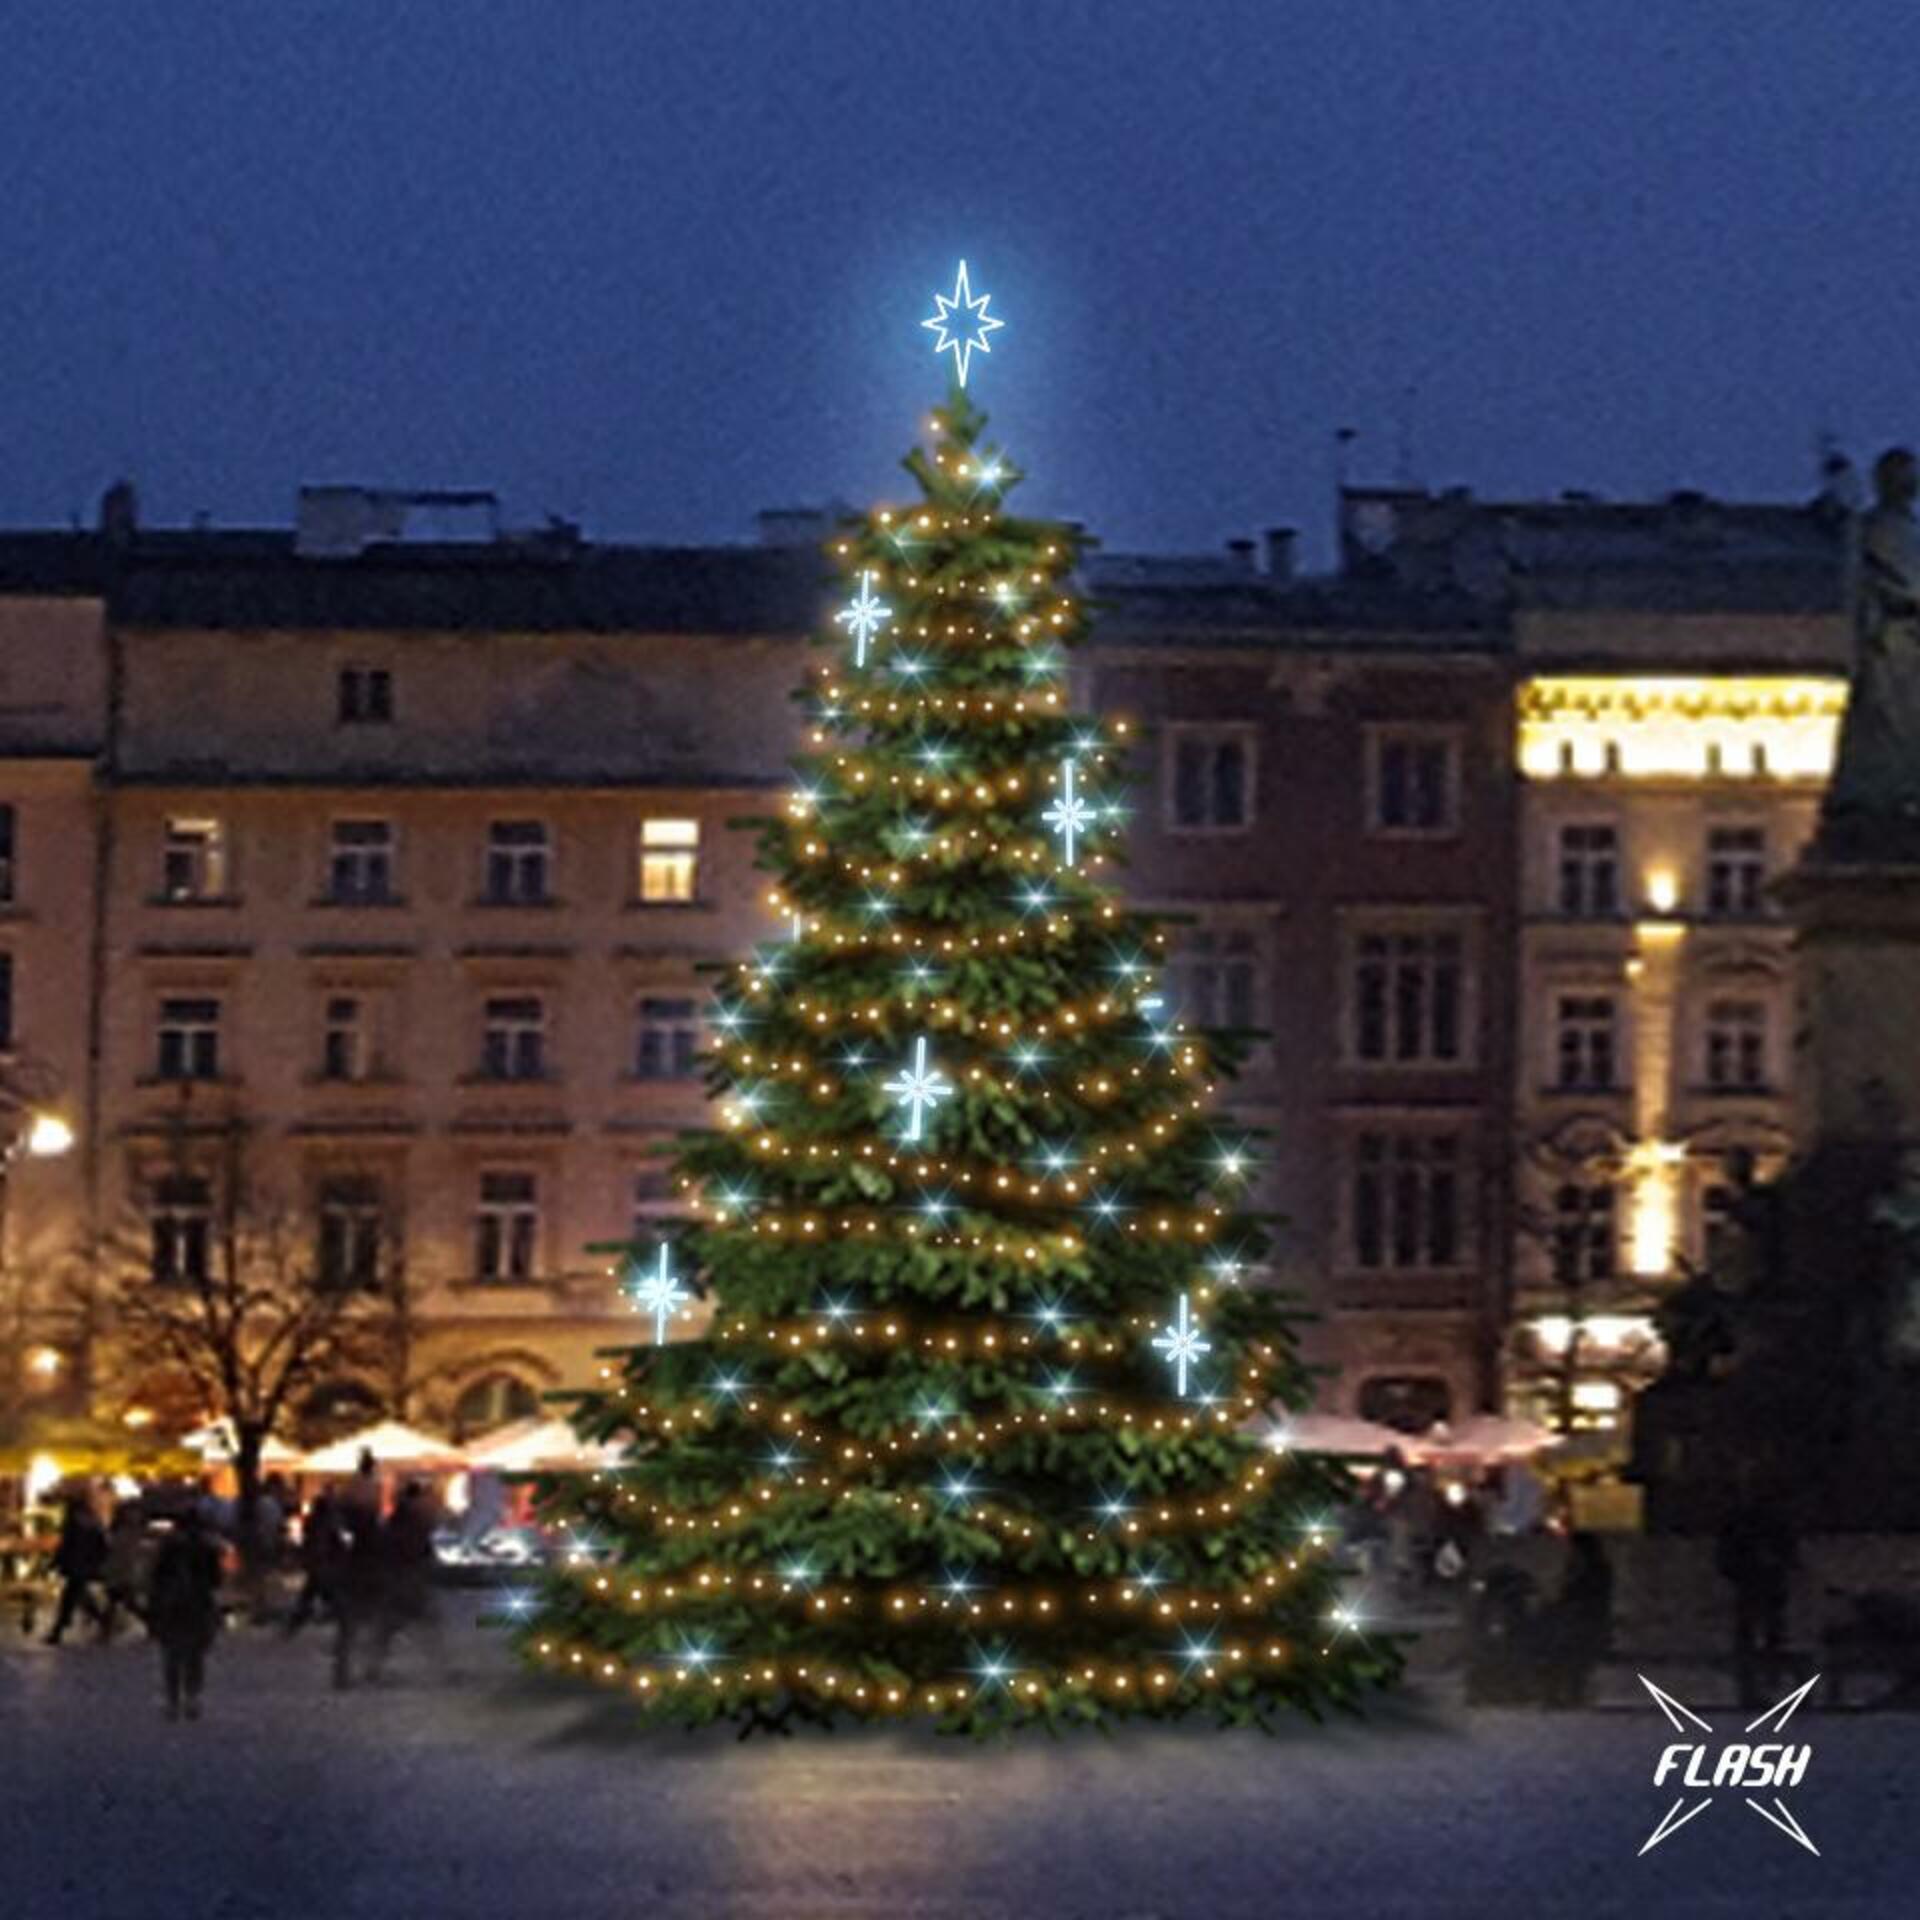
(918, 1088)
(862, 617)
(660, 1294)
(1181, 1344)
(1069, 816)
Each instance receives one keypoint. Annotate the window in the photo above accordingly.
(1415, 782)
(1216, 978)
(1212, 777)
(343, 1038)
(1736, 1045)
(669, 861)
(7, 869)
(1736, 871)
(518, 860)
(360, 867)
(1583, 1232)
(507, 1227)
(652, 1200)
(189, 1038)
(1406, 1200)
(366, 696)
(513, 1045)
(1584, 1035)
(351, 1230)
(6, 1003)
(667, 1039)
(1589, 870)
(495, 1400)
(193, 862)
(1406, 998)
(181, 1219)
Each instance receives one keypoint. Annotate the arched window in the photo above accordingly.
(492, 1401)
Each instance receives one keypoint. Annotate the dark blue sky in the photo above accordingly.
(655, 263)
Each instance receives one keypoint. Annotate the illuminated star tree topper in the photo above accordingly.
(961, 336)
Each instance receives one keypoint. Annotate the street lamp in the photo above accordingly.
(47, 1137)
(36, 1133)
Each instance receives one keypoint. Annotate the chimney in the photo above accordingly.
(1242, 552)
(119, 513)
(1280, 544)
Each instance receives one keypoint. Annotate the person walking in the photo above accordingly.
(183, 1610)
(120, 1569)
(323, 1555)
(406, 1555)
(360, 1579)
(79, 1558)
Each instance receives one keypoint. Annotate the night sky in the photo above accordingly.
(653, 264)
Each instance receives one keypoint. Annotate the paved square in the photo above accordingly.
(499, 1795)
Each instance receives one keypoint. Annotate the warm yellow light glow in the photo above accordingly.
(1596, 1396)
(1655, 1214)
(1554, 1331)
(44, 1361)
(48, 1136)
(1663, 889)
(43, 1475)
(1672, 727)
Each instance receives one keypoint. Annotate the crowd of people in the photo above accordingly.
(179, 1561)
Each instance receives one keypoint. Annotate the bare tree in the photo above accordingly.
(218, 1292)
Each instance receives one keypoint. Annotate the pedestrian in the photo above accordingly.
(183, 1610)
(79, 1558)
(323, 1554)
(120, 1571)
(1756, 1555)
(1580, 1623)
(407, 1601)
(360, 1580)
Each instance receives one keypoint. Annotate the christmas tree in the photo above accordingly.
(981, 1428)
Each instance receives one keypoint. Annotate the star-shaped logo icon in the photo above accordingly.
(960, 339)
(1738, 1764)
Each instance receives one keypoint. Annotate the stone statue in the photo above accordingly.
(1872, 807)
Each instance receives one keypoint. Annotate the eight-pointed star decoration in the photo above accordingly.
(961, 324)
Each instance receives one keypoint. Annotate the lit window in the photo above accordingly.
(507, 1226)
(193, 860)
(669, 861)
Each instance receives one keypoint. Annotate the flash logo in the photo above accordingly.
(1769, 1763)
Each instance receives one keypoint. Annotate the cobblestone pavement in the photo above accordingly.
(494, 1794)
